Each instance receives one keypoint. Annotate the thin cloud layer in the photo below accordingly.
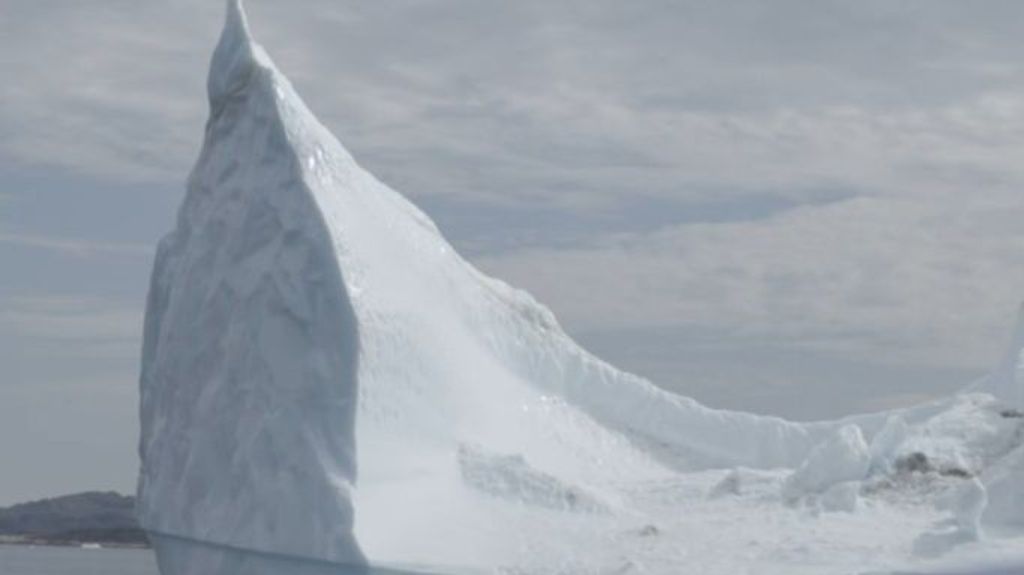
(871, 278)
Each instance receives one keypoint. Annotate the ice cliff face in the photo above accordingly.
(323, 377)
(251, 353)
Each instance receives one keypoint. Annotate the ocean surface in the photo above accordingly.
(18, 560)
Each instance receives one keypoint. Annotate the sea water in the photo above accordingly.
(19, 560)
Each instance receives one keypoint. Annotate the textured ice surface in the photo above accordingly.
(325, 379)
(251, 348)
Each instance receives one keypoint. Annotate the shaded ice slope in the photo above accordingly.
(247, 411)
(324, 377)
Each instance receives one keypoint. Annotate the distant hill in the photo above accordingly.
(93, 517)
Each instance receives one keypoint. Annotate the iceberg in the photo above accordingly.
(328, 387)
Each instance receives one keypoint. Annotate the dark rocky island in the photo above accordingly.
(103, 518)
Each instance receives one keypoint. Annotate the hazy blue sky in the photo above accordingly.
(804, 208)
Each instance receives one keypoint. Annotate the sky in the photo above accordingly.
(805, 209)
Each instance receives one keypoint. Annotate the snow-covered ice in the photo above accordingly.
(326, 382)
(842, 458)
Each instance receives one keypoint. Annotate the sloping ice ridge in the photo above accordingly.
(326, 382)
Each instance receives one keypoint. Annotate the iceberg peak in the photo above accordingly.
(234, 58)
(1007, 381)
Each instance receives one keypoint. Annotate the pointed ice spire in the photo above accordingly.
(1006, 381)
(233, 60)
(236, 17)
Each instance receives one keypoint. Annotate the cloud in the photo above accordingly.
(589, 136)
(581, 104)
(103, 88)
(76, 247)
(838, 177)
(82, 321)
(926, 280)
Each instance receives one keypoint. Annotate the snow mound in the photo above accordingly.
(326, 382)
(1004, 483)
(970, 500)
(843, 496)
(741, 481)
(509, 476)
(843, 457)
